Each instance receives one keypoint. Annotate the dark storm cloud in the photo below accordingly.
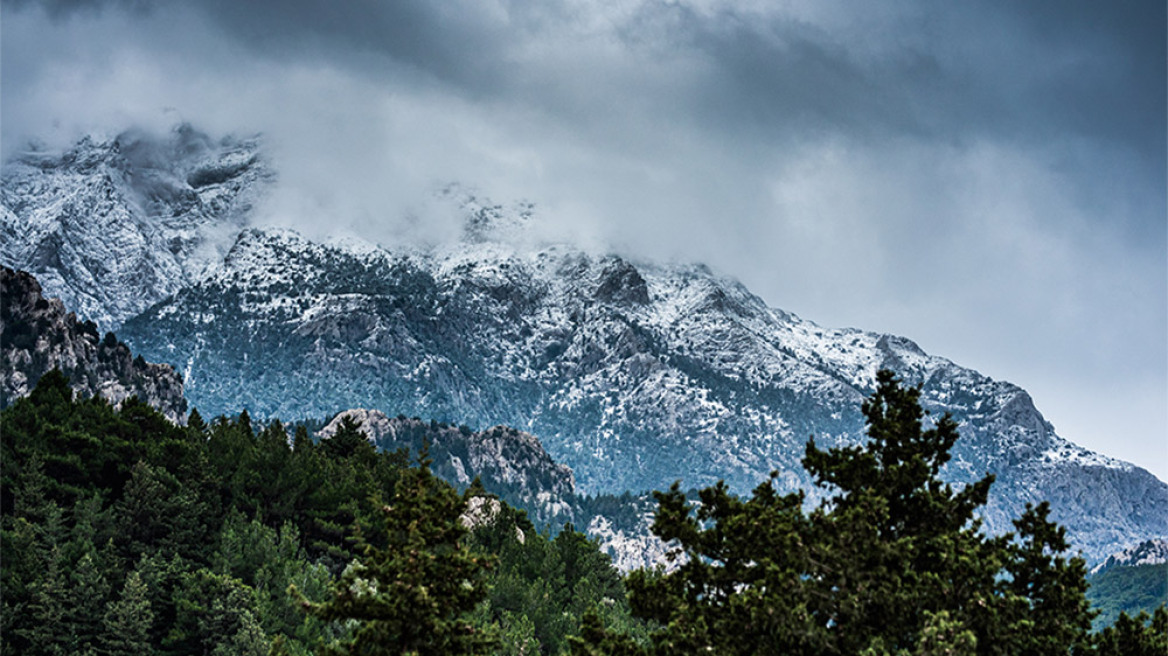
(1021, 71)
(415, 34)
(1044, 74)
(1028, 70)
(1036, 70)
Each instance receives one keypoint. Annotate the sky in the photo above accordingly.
(988, 179)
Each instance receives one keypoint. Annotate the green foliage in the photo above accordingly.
(1131, 590)
(123, 533)
(894, 562)
(541, 587)
(127, 621)
(1136, 636)
(415, 594)
(347, 441)
(1052, 612)
(207, 525)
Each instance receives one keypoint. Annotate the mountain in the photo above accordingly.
(114, 225)
(511, 463)
(37, 336)
(633, 374)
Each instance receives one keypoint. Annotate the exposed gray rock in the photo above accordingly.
(1148, 552)
(37, 335)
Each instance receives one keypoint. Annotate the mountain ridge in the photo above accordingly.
(546, 341)
(632, 373)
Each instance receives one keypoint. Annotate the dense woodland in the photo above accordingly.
(1127, 590)
(123, 533)
(126, 534)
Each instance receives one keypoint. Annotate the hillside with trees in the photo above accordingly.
(124, 533)
(894, 562)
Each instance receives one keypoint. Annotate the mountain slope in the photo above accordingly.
(514, 466)
(510, 463)
(1131, 581)
(633, 375)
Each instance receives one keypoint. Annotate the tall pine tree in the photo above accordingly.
(415, 594)
(894, 562)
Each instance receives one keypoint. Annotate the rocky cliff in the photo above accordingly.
(115, 224)
(510, 463)
(37, 335)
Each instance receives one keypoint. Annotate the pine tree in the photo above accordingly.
(1055, 612)
(347, 441)
(126, 627)
(195, 422)
(894, 562)
(1135, 636)
(413, 596)
(89, 595)
(46, 611)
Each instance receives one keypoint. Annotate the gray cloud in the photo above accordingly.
(987, 179)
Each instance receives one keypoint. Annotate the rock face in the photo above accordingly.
(38, 335)
(112, 226)
(631, 373)
(510, 463)
(1149, 552)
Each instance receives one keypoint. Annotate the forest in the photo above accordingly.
(124, 533)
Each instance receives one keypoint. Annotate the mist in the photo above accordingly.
(988, 181)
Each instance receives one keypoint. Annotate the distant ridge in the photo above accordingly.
(634, 374)
(1148, 552)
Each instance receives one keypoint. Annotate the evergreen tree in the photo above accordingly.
(347, 441)
(1136, 636)
(1053, 589)
(413, 596)
(89, 595)
(892, 563)
(46, 611)
(195, 422)
(127, 622)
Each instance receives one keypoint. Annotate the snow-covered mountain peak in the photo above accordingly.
(632, 373)
(113, 225)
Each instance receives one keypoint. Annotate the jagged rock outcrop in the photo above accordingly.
(509, 462)
(1148, 552)
(37, 335)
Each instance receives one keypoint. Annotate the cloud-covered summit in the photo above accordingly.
(987, 178)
